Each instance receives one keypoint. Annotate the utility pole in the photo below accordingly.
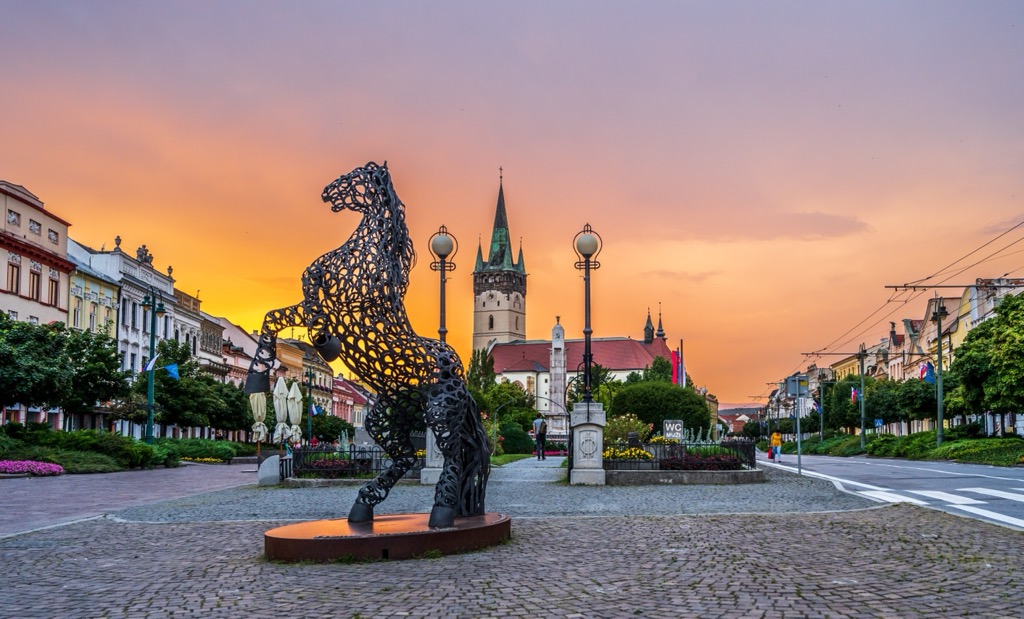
(860, 395)
(937, 316)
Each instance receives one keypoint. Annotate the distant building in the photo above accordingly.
(499, 287)
(33, 246)
(542, 367)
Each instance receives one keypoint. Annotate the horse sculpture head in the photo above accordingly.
(361, 189)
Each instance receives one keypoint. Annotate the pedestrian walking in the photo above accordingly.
(540, 431)
(776, 447)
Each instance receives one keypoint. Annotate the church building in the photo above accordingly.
(543, 368)
(499, 287)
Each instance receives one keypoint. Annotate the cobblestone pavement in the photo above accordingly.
(767, 550)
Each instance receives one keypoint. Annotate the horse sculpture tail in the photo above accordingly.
(475, 456)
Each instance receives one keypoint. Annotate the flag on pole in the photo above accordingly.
(152, 363)
(854, 395)
(682, 365)
(675, 367)
(929, 373)
(312, 409)
(172, 370)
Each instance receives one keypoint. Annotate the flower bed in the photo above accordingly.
(697, 462)
(30, 467)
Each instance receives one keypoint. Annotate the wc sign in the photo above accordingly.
(672, 428)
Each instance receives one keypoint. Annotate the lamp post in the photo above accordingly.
(860, 396)
(443, 245)
(821, 401)
(153, 302)
(939, 313)
(587, 245)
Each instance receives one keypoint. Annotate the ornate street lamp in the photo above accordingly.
(443, 245)
(153, 302)
(587, 245)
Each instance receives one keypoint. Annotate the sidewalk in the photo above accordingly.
(778, 549)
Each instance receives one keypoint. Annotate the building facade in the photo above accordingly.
(499, 287)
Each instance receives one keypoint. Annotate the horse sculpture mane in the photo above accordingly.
(353, 305)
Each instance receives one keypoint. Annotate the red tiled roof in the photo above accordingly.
(616, 354)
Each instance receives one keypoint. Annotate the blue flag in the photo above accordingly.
(929, 373)
(172, 371)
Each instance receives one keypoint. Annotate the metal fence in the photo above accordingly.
(688, 454)
(355, 461)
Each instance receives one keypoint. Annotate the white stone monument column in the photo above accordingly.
(434, 461)
(587, 421)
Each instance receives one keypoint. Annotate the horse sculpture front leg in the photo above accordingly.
(390, 428)
(258, 378)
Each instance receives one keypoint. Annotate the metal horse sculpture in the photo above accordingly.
(353, 307)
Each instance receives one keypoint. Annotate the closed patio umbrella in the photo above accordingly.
(295, 411)
(258, 403)
(281, 410)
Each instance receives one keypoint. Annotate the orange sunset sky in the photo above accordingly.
(760, 169)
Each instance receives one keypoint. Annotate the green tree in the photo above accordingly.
(917, 400)
(653, 402)
(328, 427)
(480, 375)
(512, 404)
(882, 401)
(34, 366)
(184, 401)
(97, 374)
(659, 370)
(1004, 385)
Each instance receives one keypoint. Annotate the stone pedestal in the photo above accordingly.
(269, 472)
(587, 421)
(433, 463)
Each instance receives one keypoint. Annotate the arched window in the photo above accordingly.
(490, 323)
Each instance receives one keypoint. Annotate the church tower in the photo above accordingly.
(499, 286)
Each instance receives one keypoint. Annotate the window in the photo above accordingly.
(54, 292)
(135, 315)
(132, 366)
(145, 320)
(34, 285)
(76, 314)
(13, 278)
(167, 326)
(490, 323)
(13, 315)
(124, 312)
(92, 316)
(33, 320)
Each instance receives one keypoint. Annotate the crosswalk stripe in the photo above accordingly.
(947, 497)
(1017, 522)
(891, 497)
(997, 493)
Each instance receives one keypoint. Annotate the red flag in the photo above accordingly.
(853, 395)
(675, 367)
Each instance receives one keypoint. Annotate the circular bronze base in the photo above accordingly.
(390, 536)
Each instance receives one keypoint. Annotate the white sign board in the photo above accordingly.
(672, 428)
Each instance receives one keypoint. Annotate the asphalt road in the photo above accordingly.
(990, 493)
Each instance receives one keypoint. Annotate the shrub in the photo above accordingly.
(617, 429)
(626, 453)
(82, 462)
(199, 448)
(697, 462)
(126, 450)
(517, 441)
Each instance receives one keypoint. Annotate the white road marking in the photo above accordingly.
(1016, 522)
(947, 497)
(890, 497)
(997, 493)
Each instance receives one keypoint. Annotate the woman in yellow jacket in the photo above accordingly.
(776, 443)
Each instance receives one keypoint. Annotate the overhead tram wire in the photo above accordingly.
(914, 294)
(916, 291)
(979, 248)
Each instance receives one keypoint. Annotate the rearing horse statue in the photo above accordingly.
(353, 307)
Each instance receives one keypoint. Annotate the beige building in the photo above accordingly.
(35, 279)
